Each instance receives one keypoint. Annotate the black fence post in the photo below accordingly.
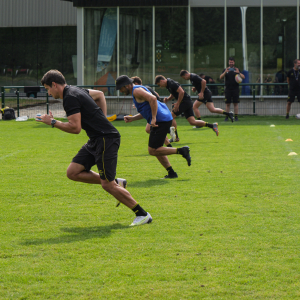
(253, 93)
(18, 102)
(3, 96)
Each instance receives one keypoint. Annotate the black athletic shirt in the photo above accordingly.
(93, 120)
(172, 87)
(230, 82)
(294, 83)
(153, 92)
(196, 82)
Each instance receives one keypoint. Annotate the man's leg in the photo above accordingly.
(201, 123)
(288, 108)
(77, 172)
(212, 109)
(236, 111)
(196, 106)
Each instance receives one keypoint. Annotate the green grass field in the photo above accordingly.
(227, 228)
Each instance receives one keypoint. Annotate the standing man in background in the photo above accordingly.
(294, 86)
(232, 90)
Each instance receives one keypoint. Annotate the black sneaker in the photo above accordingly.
(287, 116)
(186, 154)
(230, 116)
(226, 119)
(236, 119)
(171, 175)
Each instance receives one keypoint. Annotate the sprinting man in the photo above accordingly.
(102, 146)
(173, 129)
(204, 96)
(158, 116)
(184, 102)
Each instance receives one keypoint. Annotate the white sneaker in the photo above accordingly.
(141, 220)
(172, 133)
(123, 183)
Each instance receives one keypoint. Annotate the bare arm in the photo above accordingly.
(99, 98)
(72, 126)
(223, 74)
(136, 117)
(238, 71)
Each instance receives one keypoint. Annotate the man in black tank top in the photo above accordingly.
(173, 130)
(293, 79)
(184, 103)
(102, 146)
(204, 95)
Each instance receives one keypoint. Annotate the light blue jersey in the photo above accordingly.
(144, 108)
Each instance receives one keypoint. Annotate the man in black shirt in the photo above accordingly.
(102, 146)
(232, 90)
(210, 80)
(204, 95)
(173, 130)
(294, 86)
(184, 103)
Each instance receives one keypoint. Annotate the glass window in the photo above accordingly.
(280, 45)
(136, 54)
(170, 43)
(207, 43)
(100, 48)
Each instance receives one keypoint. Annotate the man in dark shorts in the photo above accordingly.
(293, 80)
(232, 90)
(184, 102)
(158, 116)
(102, 146)
(173, 129)
(204, 95)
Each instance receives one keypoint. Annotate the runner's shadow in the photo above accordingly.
(154, 182)
(76, 234)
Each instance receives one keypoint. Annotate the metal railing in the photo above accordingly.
(272, 94)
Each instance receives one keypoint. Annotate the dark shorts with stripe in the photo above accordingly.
(232, 96)
(293, 95)
(103, 152)
(207, 97)
(158, 134)
(186, 107)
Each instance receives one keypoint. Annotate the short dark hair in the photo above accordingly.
(201, 74)
(183, 72)
(53, 76)
(296, 60)
(231, 58)
(136, 80)
(158, 78)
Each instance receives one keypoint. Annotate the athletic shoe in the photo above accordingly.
(172, 141)
(226, 119)
(141, 220)
(197, 126)
(236, 119)
(215, 128)
(123, 183)
(287, 116)
(172, 133)
(171, 175)
(230, 116)
(186, 154)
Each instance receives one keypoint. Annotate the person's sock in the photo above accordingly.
(287, 114)
(199, 118)
(169, 145)
(208, 125)
(177, 137)
(225, 113)
(138, 210)
(235, 115)
(170, 170)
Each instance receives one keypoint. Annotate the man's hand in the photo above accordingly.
(153, 122)
(128, 119)
(166, 100)
(194, 89)
(237, 70)
(45, 119)
(201, 96)
(176, 107)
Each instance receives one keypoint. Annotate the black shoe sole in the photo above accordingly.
(188, 157)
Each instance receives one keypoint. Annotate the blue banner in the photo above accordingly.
(107, 39)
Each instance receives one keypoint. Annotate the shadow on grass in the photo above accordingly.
(78, 234)
(154, 182)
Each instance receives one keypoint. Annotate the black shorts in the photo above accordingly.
(158, 134)
(232, 96)
(185, 107)
(292, 95)
(207, 97)
(102, 152)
